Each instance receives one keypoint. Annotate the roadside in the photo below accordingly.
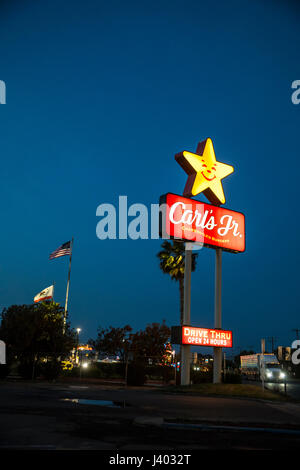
(89, 416)
(227, 390)
(249, 390)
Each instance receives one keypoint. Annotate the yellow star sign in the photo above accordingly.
(204, 172)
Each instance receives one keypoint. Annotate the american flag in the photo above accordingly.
(62, 250)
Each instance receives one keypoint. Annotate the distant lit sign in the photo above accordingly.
(204, 172)
(85, 347)
(193, 336)
(190, 220)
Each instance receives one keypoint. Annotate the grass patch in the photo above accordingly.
(226, 390)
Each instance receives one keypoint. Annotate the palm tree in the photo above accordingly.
(172, 262)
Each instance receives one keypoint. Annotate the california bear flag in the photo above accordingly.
(46, 294)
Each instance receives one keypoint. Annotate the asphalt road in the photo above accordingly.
(59, 416)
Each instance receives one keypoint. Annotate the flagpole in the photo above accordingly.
(68, 284)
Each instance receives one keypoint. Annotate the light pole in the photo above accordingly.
(77, 355)
(126, 353)
(174, 363)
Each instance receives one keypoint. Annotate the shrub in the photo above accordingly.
(136, 374)
(74, 372)
(165, 372)
(111, 370)
(93, 371)
(28, 369)
(231, 378)
(97, 370)
(168, 374)
(199, 377)
(50, 370)
(4, 371)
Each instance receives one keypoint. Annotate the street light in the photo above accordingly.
(77, 355)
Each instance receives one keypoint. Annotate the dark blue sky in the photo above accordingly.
(100, 96)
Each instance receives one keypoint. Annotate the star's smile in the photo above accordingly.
(208, 179)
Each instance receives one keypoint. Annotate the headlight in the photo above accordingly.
(269, 374)
(282, 375)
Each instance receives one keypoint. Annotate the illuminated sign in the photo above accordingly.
(204, 172)
(193, 336)
(85, 347)
(190, 220)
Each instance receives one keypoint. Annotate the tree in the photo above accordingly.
(172, 262)
(151, 343)
(34, 331)
(113, 341)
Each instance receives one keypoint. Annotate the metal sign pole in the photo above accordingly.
(262, 364)
(185, 349)
(68, 285)
(217, 378)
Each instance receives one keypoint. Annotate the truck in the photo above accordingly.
(262, 367)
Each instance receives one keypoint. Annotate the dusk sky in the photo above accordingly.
(100, 96)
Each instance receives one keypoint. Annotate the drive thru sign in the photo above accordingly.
(193, 336)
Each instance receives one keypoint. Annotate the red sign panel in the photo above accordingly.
(206, 337)
(190, 220)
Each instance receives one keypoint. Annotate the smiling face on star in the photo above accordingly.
(204, 172)
(208, 171)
